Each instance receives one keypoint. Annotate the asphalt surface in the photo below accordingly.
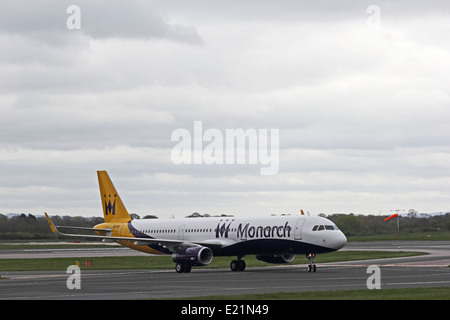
(72, 252)
(423, 271)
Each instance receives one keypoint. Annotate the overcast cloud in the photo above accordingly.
(363, 109)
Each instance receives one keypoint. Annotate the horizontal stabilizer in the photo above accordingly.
(106, 230)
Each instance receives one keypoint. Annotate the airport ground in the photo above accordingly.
(428, 271)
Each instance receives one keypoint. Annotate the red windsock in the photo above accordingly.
(393, 216)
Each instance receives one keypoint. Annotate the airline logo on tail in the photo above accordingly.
(110, 208)
(113, 208)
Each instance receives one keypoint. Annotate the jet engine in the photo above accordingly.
(276, 258)
(193, 256)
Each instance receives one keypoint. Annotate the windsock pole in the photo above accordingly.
(398, 223)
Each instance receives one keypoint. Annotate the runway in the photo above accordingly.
(423, 271)
(112, 250)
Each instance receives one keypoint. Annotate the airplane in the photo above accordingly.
(195, 241)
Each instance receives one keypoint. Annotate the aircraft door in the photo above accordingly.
(298, 229)
(122, 230)
(181, 232)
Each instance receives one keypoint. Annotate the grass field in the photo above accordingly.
(165, 262)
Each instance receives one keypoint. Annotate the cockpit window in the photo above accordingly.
(325, 227)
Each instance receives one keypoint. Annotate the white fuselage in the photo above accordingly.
(240, 236)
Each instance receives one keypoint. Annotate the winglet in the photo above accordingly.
(50, 223)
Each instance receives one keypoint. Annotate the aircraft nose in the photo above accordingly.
(338, 241)
(341, 240)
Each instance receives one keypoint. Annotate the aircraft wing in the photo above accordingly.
(172, 245)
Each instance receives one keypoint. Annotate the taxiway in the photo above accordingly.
(421, 271)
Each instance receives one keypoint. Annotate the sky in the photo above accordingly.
(358, 92)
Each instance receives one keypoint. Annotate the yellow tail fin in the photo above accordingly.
(113, 208)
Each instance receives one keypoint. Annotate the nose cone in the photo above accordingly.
(342, 240)
(339, 240)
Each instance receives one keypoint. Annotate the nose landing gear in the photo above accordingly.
(311, 266)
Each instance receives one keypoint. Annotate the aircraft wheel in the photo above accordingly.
(241, 265)
(179, 268)
(234, 265)
(238, 265)
(312, 268)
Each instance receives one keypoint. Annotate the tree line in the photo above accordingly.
(370, 225)
(30, 227)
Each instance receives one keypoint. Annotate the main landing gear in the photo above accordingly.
(181, 268)
(238, 265)
(311, 266)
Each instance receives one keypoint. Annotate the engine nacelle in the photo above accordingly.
(276, 258)
(193, 256)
